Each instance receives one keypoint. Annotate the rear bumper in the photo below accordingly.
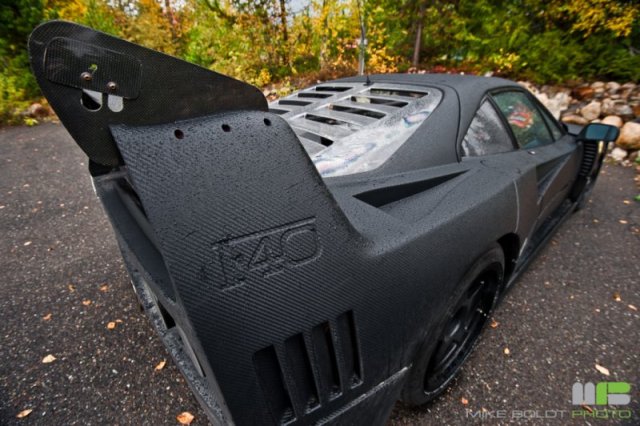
(144, 264)
(206, 391)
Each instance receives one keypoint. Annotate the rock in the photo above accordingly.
(612, 87)
(629, 136)
(575, 119)
(617, 107)
(528, 86)
(612, 120)
(618, 154)
(624, 93)
(583, 92)
(624, 111)
(607, 107)
(628, 86)
(37, 110)
(558, 103)
(592, 110)
(597, 85)
(636, 109)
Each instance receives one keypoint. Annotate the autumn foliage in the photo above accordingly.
(288, 41)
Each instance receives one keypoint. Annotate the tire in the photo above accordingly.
(440, 358)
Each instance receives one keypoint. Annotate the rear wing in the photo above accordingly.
(93, 81)
(252, 274)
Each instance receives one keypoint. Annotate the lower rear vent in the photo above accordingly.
(326, 360)
(300, 367)
(273, 385)
(350, 349)
(310, 368)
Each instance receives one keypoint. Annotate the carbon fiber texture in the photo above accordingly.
(258, 198)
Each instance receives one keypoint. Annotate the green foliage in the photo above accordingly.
(17, 84)
(266, 41)
(13, 96)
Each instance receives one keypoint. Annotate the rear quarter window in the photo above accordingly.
(486, 134)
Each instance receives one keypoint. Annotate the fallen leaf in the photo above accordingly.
(111, 325)
(71, 288)
(185, 418)
(506, 351)
(616, 297)
(632, 307)
(48, 359)
(47, 317)
(587, 408)
(464, 401)
(602, 369)
(86, 302)
(627, 202)
(494, 323)
(622, 221)
(104, 287)
(119, 321)
(24, 413)
(27, 243)
(160, 365)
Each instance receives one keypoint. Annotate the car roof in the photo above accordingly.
(470, 89)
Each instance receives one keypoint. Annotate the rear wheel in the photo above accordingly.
(439, 361)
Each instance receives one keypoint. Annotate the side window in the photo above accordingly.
(556, 131)
(526, 121)
(486, 134)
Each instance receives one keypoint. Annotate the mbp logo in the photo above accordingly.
(269, 252)
(604, 393)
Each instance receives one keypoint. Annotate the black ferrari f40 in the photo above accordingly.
(314, 259)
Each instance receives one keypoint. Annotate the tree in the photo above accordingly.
(419, 25)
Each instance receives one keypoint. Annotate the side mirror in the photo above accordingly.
(596, 132)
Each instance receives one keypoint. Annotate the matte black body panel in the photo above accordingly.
(284, 297)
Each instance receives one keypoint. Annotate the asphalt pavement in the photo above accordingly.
(65, 297)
